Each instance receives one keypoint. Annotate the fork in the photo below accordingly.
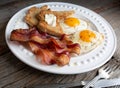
(104, 72)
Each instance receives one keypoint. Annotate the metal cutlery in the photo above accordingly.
(105, 83)
(109, 83)
(104, 72)
(107, 70)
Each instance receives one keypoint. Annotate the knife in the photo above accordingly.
(99, 84)
(104, 83)
(107, 83)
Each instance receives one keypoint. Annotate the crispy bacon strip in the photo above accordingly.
(47, 56)
(74, 48)
(63, 59)
(48, 49)
(19, 35)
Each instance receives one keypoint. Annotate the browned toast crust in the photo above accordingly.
(31, 18)
(57, 30)
(43, 26)
(36, 17)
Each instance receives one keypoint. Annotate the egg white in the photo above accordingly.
(88, 46)
(69, 30)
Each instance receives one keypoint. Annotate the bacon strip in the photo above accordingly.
(63, 59)
(47, 56)
(48, 49)
(19, 35)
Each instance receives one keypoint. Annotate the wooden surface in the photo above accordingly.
(16, 74)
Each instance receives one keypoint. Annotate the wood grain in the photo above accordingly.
(16, 74)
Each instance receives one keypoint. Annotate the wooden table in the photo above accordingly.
(15, 74)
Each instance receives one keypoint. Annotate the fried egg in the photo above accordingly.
(69, 25)
(72, 24)
(88, 39)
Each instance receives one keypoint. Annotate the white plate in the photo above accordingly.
(79, 64)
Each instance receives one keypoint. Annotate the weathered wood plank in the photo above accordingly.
(15, 74)
(2, 2)
(12, 8)
(9, 64)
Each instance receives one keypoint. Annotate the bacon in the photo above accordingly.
(19, 35)
(48, 49)
(74, 48)
(49, 57)
(58, 43)
(46, 56)
(63, 59)
(66, 39)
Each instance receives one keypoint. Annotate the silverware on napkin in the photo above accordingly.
(104, 83)
(107, 83)
(99, 84)
(105, 72)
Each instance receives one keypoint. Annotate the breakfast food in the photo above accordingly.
(31, 15)
(71, 25)
(54, 36)
(88, 39)
(48, 50)
(40, 16)
(49, 21)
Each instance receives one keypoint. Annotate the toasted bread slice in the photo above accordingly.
(36, 17)
(42, 13)
(43, 26)
(31, 18)
(61, 15)
(57, 30)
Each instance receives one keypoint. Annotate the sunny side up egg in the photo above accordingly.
(88, 39)
(71, 25)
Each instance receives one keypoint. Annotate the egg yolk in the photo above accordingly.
(72, 22)
(87, 35)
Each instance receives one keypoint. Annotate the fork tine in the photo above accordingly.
(105, 71)
(115, 68)
(108, 69)
(105, 66)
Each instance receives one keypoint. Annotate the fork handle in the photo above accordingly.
(92, 82)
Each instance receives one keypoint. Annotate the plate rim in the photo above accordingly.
(115, 38)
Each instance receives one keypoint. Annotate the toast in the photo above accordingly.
(35, 17)
(57, 30)
(61, 15)
(31, 18)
